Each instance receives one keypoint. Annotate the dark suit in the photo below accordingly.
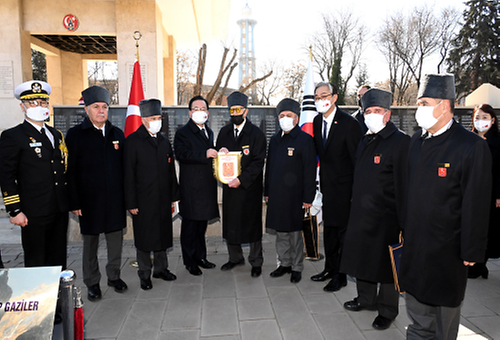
(33, 181)
(198, 188)
(151, 186)
(290, 182)
(242, 206)
(337, 159)
(359, 116)
(376, 217)
(95, 178)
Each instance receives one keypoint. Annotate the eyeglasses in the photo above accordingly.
(199, 109)
(34, 103)
(237, 110)
(322, 97)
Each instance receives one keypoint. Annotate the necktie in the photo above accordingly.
(204, 132)
(46, 138)
(324, 133)
(236, 134)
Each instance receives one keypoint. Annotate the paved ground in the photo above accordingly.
(232, 305)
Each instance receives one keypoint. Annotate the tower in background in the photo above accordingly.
(247, 51)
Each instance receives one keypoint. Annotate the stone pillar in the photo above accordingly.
(170, 71)
(73, 69)
(143, 16)
(15, 61)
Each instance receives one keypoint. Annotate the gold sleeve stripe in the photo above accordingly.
(11, 199)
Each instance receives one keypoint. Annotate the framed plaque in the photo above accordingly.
(227, 166)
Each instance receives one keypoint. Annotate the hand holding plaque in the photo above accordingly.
(227, 166)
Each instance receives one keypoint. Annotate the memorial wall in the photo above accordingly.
(263, 116)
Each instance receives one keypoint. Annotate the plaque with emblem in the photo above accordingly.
(227, 166)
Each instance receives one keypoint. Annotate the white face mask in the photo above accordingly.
(323, 105)
(286, 124)
(37, 113)
(482, 125)
(199, 117)
(425, 116)
(375, 122)
(154, 126)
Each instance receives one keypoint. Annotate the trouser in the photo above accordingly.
(333, 238)
(255, 257)
(193, 243)
(90, 263)
(290, 250)
(44, 240)
(160, 262)
(431, 322)
(386, 298)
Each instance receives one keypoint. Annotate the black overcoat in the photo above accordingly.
(242, 206)
(197, 182)
(447, 214)
(151, 186)
(290, 179)
(35, 185)
(377, 205)
(336, 165)
(95, 177)
(493, 249)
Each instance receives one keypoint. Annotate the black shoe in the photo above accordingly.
(280, 271)
(204, 263)
(323, 276)
(146, 284)
(230, 265)
(94, 292)
(194, 270)
(165, 275)
(119, 285)
(256, 271)
(335, 285)
(381, 323)
(295, 277)
(355, 306)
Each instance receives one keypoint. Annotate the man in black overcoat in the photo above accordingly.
(359, 114)
(290, 186)
(242, 200)
(336, 136)
(194, 150)
(33, 159)
(95, 178)
(150, 188)
(447, 212)
(376, 210)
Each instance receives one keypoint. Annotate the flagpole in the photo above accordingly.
(133, 119)
(137, 37)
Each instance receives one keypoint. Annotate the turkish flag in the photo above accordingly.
(133, 120)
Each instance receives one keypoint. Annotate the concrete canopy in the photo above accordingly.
(105, 32)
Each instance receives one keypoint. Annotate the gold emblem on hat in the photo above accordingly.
(36, 87)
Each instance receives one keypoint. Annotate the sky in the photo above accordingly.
(284, 27)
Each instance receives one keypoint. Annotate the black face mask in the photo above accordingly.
(237, 120)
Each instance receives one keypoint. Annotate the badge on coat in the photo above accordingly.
(290, 151)
(246, 149)
(377, 158)
(116, 144)
(443, 169)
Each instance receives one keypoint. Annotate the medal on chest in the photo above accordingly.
(246, 150)
(443, 169)
(377, 158)
(36, 147)
(290, 151)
